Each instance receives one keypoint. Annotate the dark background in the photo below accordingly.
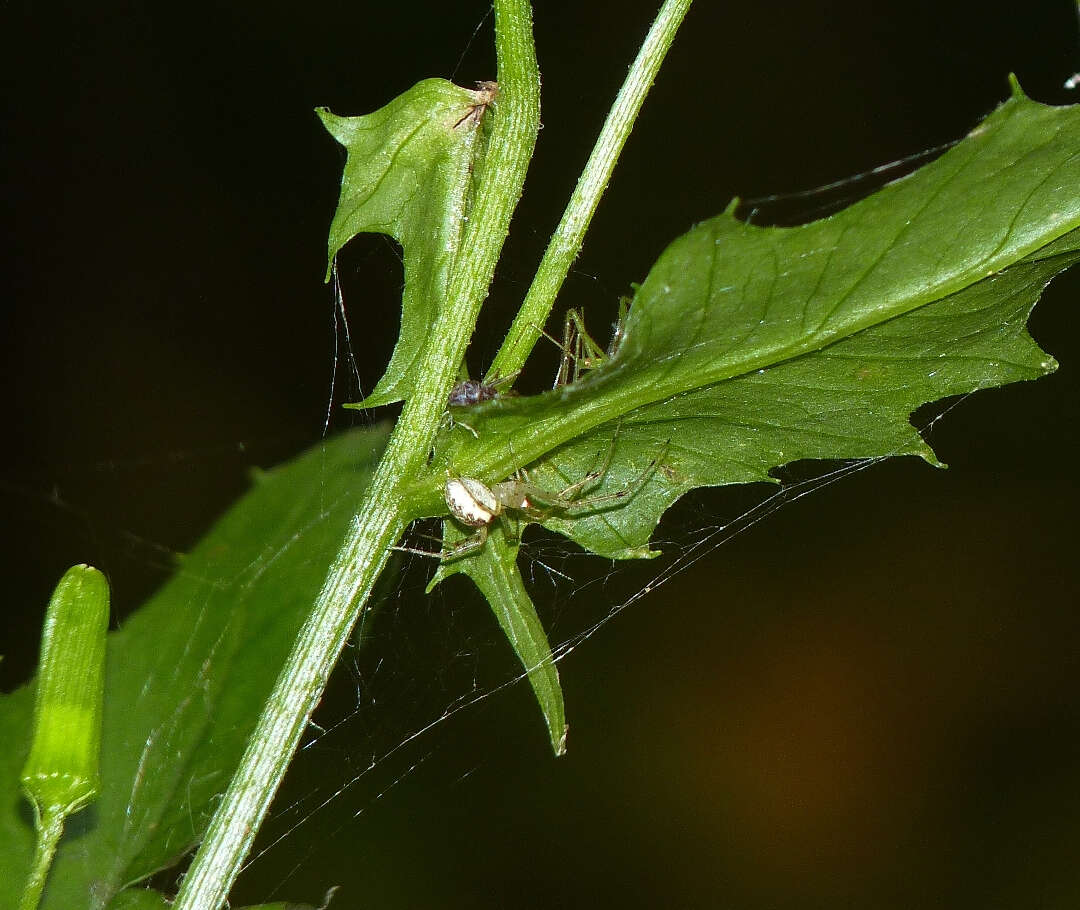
(872, 699)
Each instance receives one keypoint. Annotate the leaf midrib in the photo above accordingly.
(597, 405)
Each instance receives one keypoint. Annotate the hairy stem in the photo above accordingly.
(381, 517)
(50, 825)
(570, 234)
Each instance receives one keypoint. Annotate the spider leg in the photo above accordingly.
(463, 548)
(569, 494)
(469, 545)
(465, 426)
(416, 551)
(522, 489)
(579, 351)
(591, 503)
(566, 500)
(498, 381)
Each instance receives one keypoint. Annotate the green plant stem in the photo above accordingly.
(50, 825)
(570, 234)
(382, 517)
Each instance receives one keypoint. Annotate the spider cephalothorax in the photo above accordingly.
(477, 505)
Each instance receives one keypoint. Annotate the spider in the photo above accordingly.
(485, 94)
(477, 505)
(579, 351)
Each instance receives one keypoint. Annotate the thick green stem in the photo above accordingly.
(50, 825)
(381, 518)
(570, 234)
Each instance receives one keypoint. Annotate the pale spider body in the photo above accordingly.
(477, 505)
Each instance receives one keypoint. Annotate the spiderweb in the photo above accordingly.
(427, 713)
(467, 665)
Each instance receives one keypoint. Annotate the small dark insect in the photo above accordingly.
(469, 392)
(474, 391)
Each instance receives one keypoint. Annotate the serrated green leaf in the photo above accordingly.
(494, 571)
(186, 677)
(747, 348)
(408, 175)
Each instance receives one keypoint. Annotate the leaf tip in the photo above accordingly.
(329, 120)
(930, 457)
(558, 744)
(1014, 87)
(642, 552)
(379, 397)
(257, 475)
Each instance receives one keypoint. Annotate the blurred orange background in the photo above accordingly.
(871, 699)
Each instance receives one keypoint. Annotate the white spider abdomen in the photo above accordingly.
(471, 502)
